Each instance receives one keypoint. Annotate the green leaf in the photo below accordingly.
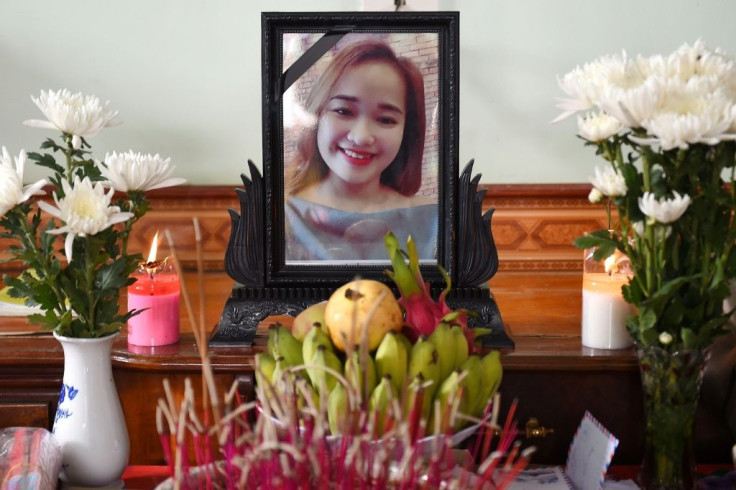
(689, 338)
(647, 319)
(601, 240)
(649, 337)
(41, 319)
(111, 276)
(659, 298)
(107, 329)
(46, 160)
(402, 274)
(673, 314)
(50, 143)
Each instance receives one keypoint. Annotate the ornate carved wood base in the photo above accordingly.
(247, 307)
(486, 314)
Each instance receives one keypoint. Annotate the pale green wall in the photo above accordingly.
(186, 77)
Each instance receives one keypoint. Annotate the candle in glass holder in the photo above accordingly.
(156, 291)
(604, 309)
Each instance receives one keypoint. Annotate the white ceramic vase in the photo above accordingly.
(89, 424)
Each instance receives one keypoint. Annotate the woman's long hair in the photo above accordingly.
(404, 174)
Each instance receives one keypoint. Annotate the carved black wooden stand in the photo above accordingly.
(252, 301)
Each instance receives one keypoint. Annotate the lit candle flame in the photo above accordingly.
(152, 265)
(611, 265)
(154, 249)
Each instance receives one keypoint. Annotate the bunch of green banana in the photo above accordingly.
(361, 374)
(314, 338)
(338, 410)
(436, 371)
(424, 366)
(281, 343)
(416, 393)
(491, 375)
(472, 385)
(450, 393)
(277, 375)
(392, 359)
(444, 342)
(322, 380)
(265, 366)
(380, 403)
(460, 345)
(424, 359)
(475, 382)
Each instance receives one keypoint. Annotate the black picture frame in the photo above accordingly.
(266, 284)
(330, 30)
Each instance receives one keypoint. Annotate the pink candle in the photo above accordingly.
(156, 291)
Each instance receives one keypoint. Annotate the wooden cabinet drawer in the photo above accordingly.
(24, 415)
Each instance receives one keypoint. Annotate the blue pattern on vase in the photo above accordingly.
(67, 392)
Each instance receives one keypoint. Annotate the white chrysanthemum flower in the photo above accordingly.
(633, 104)
(656, 65)
(609, 182)
(583, 85)
(666, 210)
(12, 190)
(595, 196)
(623, 72)
(697, 60)
(75, 114)
(137, 172)
(661, 233)
(665, 338)
(597, 127)
(689, 113)
(85, 210)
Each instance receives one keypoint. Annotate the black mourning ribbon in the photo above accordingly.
(309, 58)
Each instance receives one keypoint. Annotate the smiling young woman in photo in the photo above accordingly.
(358, 168)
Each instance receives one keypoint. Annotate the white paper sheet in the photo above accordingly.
(590, 454)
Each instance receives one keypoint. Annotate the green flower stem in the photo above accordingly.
(608, 154)
(69, 160)
(705, 260)
(681, 157)
(648, 260)
(727, 245)
(646, 170)
(136, 204)
(659, 265)
(126, 234)
(89, 278)
(619, 153)
(650, 268)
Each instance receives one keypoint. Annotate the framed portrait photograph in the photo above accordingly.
(360, 130)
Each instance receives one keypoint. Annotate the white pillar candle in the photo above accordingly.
(605, 311)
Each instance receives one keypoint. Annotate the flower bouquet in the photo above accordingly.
(77, 290)
(666, 126)
(345, 399)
